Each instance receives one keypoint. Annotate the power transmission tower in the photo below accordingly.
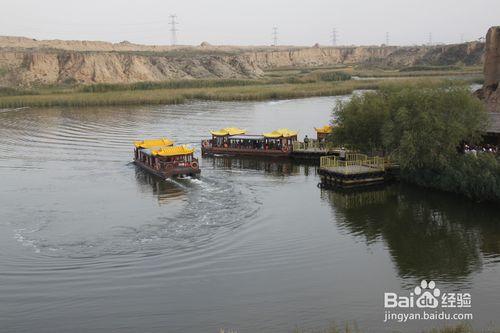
(462, 38)
(430, 38)
(173, 29)
(387, 38)
(334, 37)
(275, 36)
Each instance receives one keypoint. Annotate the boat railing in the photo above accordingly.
(312, 145)
(165, 165)
(209, 144)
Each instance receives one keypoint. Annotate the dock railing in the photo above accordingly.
(347, 165)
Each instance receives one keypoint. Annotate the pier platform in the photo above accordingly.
(355, 170)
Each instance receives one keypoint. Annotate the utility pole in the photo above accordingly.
(334, 37)
(173, 29)
(387, 38)
(275, 36)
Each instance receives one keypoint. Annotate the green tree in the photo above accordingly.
(422, 127)
(359, 122)
(426, 125)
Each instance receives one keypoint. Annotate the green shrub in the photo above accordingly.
(422, 126)
(334, 76)
(477, 177)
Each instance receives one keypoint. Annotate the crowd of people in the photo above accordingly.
(475, 149)
(268, 144)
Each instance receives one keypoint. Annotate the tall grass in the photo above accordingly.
(9, 91)
(176, 96)
(216, 83)
(250, 92)
(418, 71)
(429, 68)
(173, 84)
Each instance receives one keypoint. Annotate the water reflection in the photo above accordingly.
(428, 234)
(165, 190)
(274, 167)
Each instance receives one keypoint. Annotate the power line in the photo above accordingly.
(56, 23)
(334, 37)
(275, 36)
(173, 29)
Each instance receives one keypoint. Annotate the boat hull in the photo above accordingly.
(244, 152)
(172, 173)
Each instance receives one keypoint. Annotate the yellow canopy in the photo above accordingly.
(280, 133)
(153, 143)
(324, 130)
(228, 131)
(173, 151)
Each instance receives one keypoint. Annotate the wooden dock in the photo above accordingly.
(354, 171)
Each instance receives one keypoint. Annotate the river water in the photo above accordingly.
(90, 243)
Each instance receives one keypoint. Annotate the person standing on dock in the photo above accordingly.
(306, 142)
(342, 154)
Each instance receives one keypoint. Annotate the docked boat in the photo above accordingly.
(234, 141)
(162, 158)
(323, 132)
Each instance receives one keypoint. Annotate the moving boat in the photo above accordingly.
(234, 141)
(162, 158)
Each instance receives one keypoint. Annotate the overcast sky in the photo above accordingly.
(359, 22)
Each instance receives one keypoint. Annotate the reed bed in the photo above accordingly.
(252, 92)
(177, 96)
(418, 71)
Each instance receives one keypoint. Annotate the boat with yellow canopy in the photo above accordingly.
(281, 133)
(228, 131)
(322, 132)
(162, 158)
(150, 143)
(235, 141)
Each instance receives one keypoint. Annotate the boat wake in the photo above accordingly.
(208, 209)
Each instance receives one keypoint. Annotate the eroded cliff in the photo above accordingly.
(491, 91)
(25, 61)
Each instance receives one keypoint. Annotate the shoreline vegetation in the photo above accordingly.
(252, 92)
(276, 84)
(426, 129)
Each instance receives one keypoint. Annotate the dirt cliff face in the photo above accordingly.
(49, 67)
(491, 91)
(25, 61)
(388, 56)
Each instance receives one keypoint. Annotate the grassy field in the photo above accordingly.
(276, 84)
